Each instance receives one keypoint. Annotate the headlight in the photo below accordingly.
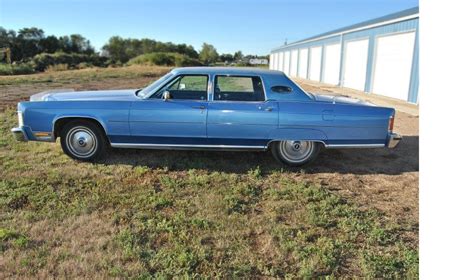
(20, 118)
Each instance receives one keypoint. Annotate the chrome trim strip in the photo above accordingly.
(184, 146)
(333, 146)
(245, 75)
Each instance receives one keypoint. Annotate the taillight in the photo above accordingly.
(390, 123)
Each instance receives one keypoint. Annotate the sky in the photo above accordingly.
(254, 27)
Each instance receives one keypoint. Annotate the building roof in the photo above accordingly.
(389, 17)
(226, 70)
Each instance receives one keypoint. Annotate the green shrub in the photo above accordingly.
(84, 65)
(16, 69)
(164, 59)
(42, 61)
(57, 67)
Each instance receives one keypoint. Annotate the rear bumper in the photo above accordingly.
(19, 134)
(393, 140)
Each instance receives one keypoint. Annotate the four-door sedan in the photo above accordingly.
(207, 108)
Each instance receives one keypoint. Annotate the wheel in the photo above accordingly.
(295, 153)
(83, 140)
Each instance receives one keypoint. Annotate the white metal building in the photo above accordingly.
(376, 56)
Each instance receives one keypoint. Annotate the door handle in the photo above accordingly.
(268, 109)
(199, 107)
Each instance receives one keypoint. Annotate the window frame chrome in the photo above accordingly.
(238, 101)
(173, 78)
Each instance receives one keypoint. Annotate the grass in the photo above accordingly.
(7, 69)
(159, 214)
(84, 75)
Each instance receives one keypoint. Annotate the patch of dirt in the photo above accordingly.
(10, 95)
(399, 105)
(385, 178)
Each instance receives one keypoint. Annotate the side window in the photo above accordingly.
(238, 88)
(193, 87)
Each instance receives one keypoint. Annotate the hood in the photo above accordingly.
(340, 100)
(71, 95)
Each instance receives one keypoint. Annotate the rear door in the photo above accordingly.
(239, 114)
(179, 120)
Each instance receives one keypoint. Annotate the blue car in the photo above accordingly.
(206, 108)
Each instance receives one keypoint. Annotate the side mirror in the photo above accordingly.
(182, 86)
(166, 95)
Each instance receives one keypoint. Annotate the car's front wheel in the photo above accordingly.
(295, 153)
(83, 140)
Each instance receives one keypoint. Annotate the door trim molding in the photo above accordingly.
(185, 146)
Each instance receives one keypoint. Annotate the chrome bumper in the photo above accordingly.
(19, 134)
(393, 140)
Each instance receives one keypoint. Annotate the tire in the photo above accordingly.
(83, 140)
(295, 153)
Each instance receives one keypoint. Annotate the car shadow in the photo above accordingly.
(404, 158)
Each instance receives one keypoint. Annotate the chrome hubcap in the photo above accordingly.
(296, 151)
(81, 141)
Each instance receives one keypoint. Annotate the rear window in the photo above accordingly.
(238, 88)
(281, 89)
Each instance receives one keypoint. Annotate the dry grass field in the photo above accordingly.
(147, 214)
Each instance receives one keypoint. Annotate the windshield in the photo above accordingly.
(153, 86)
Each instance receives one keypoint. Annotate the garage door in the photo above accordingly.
(355, 64)
(274, 62)
(393, 59)
(287, 63)
(303, 64)
(315, 64)
(280, 61)
(332, 58)
(294, 63)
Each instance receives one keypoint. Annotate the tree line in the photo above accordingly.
(31, 48)
(28, 42)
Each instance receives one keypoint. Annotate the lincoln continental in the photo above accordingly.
(206, 108)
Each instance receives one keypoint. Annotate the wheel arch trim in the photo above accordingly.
(78, 116)
(284, 139)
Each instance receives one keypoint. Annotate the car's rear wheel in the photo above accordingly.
(295, 153)
(83, 140)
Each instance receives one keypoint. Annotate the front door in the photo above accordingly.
(239, 115)
(180, 120)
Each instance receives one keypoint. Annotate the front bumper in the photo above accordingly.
(19, 134)
(393, 140)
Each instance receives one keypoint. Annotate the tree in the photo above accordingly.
(238, 56)
(31, 33)
(120, 49)
(50, 44)
(226, 57)
(116, 49)
(208, 54)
